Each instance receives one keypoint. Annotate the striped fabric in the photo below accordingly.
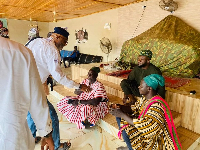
(168, 118)
(151, 131)
(81, 112)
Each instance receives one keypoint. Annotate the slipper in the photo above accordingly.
(66, 146)
(91, 125)
(83, 122)
(37, 139)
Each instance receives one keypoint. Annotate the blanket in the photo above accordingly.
(172, 82)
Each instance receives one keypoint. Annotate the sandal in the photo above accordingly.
(91, 125)
(84, 123)
(66, 146)
(122, 148)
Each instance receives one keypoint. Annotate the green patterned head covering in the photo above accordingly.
(154, 80)
(147, 53)
(95, 69)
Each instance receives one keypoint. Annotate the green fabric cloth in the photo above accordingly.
(154, 80)
(174, 44)
(130, 85)
(147, 53)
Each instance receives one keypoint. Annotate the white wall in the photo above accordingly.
(124, 21)
(18, 30)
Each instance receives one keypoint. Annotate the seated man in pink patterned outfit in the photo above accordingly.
(86, 107)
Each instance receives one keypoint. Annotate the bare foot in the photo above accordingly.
(122, 148)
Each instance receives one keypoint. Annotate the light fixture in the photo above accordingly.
(33, 25)
(54, 13)
(54, 16)
(107, 26)
(54, 20)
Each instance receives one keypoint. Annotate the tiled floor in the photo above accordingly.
(93, 138)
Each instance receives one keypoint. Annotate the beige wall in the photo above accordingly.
(94, 25)
(18, 30)
(123, 21)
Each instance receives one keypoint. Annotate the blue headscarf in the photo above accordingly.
(154, 80)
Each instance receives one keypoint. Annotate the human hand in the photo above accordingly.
(125, 100)
(78, 91)
(74, 103)
(48, 142)
(70, 101)
(114, 106)
(126, 109)
(116, 112)
(85, 88)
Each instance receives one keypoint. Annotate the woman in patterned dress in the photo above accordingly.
(87, 106)
(150, 125)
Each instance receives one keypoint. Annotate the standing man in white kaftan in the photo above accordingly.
(46, 52)
(21, 91)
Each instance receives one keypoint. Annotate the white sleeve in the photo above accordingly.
(39, 109)
(54, 68)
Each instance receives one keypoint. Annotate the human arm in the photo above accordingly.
(47, 141)
(99, 94)
(77, 53)
(95, 96)
(78, 91)
(82, 88)
(41, 117)
(131, 76)
(152, 120)
(93, 102)
(72, 53)
(124, 108)
(54, 69)
(119, 113)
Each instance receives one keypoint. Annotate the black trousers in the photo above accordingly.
(69, 59)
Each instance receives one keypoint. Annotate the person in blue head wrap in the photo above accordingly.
(149, 123)
(143, 69)
(154, 80)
